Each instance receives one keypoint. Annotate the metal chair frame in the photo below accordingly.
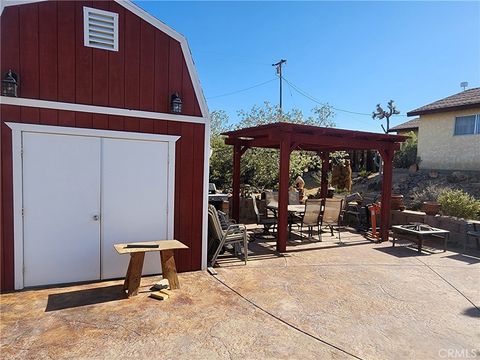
(315, 204)
(332, 216)
(264, 220)
(235, 233)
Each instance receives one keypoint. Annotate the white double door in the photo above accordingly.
(81, 195)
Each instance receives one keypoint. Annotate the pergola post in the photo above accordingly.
(325, 157)
(284, 179)
(387, 157)
(237, 156)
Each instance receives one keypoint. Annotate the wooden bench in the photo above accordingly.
(137, 252)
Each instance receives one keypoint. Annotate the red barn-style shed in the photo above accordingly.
(92, 152)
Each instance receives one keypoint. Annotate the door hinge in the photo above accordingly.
(23, 212)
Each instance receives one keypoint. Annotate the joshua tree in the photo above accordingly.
(380, 114)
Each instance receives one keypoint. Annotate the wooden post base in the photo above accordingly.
(169, 270)
(134, 273)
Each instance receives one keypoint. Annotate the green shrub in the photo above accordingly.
(364, 173)
(340, 191)
(429, 193)
(459, 204)
(407, 155)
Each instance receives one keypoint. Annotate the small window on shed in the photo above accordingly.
(100, 29)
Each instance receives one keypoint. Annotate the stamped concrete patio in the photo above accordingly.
(319, 300)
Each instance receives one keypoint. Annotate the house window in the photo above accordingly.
(466, 125)
(100, 29)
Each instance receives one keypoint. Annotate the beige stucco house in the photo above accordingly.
(449, 132)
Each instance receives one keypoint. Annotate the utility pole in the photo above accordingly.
(278, 66)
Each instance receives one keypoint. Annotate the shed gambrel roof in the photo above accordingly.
(464, 100)
(130, 6)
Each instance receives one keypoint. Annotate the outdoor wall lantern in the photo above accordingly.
(10, 84)
(176, 104)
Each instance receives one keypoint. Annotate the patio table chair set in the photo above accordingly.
(316, 213)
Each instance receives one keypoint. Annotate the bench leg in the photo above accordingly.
(393, 240)
(420, 243)
(446, 236)
(127, 277)
(134, 273)
(169, 270)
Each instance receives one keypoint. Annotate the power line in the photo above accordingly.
(298, 90)
(291, 94)
(305, 94)
(242, 90)
(308, 96)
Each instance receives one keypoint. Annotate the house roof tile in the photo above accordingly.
(409, 125)
(464, 100)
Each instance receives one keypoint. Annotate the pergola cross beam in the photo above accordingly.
(307, 141)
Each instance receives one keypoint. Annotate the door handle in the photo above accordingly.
(95, 217)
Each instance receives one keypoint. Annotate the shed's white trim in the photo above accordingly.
(17, 208)
(130, 6)
(206, 175)
(44, 104)
(19, 128)
(91, 132)
(5, 3)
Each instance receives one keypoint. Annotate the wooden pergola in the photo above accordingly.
(289, 137)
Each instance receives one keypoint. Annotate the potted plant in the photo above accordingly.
(396, 202)
(431, 207)
(426, 199)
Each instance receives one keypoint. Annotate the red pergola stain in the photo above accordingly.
(289, 137)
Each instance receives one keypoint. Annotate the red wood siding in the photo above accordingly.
(189, 166)
(43, 43)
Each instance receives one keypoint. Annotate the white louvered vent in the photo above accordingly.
(100, 29)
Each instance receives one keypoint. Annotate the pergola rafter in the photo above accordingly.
(289, 137)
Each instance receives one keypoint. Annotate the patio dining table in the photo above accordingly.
(292, 210)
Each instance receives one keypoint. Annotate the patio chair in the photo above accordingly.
(352, 209)
(271, 197)
(312, 217)
(235, 233)
(331, 216)
(293, 198)
(474, 233)
(364, 213)
(225, 222)
(263, 219)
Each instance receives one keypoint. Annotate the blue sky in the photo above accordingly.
(352, 55)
